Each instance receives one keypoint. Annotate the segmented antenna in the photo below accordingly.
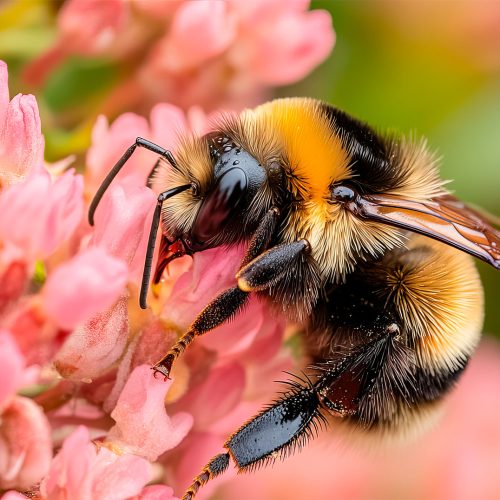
(139, 142)
(148, 263)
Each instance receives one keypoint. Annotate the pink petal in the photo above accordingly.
(37, 339)
(103, 20)
(85, 285)
(215, 396)
(254, 13)
(21, 140)
(38, 214)
(117, 477)
(21, 143)
(268, 341)
(25, 444)
(95, 346)
(142, 424)
(199, 31)
(80, 472)
(156, 492)
(69, 471)
(167, 123)
(122, 224)
(11, 367)
(292, 46)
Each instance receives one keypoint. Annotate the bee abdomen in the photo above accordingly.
(413, 319)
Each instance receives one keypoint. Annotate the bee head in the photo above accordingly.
(227, 195)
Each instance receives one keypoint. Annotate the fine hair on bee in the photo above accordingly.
(348, 231)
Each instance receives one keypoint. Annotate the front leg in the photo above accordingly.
(261, 273)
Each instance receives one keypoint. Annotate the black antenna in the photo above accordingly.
(148, 264)
(139, 142)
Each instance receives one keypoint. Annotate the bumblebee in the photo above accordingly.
(350, 232)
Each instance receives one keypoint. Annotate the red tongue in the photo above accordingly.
(168, 252)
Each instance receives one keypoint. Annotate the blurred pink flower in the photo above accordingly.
(88, 283)
(39, 214)
(21, 140)
(280, 41)
(221, 54)
(199, 32)
(212, 53)
(25, 444)
(84, 471)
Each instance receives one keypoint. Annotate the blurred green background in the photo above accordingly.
(428, 68)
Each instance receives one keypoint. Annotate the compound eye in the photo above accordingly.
(219, 206)
(343, 193)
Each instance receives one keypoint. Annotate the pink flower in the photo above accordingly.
(95, 346)
(212, 53)
(80, 288)
(25, 444)
(81, 471)
(21, 140)
(288, 43)
(39, 214)
(200, 31)
(69, 301)
(226, 55)
(122, 224)
(142, 424)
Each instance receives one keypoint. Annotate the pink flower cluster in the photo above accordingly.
(213, 53)
(81, 415)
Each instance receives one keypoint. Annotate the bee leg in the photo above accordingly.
(286, 425)
(223, 307)
(268, 268)
(139, 142)
(288, 422)
(227, 303)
